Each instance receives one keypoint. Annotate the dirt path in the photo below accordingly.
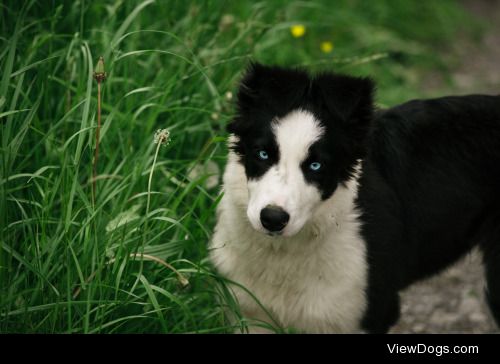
(480, 68)
(453, 302)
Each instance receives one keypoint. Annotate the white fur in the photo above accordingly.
(284, 184)
(313, 280)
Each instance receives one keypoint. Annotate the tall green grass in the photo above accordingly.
(121, 264)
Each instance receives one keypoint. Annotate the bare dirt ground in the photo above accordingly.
(454, 302)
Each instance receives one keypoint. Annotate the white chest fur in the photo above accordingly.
(314, 281)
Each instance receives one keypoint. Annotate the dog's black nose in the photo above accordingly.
(274, 218)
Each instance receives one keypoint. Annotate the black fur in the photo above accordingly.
(429, 192)
(430, 184)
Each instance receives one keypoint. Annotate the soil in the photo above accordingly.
(453, 302)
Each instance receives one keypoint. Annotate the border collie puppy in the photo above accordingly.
(330, 208)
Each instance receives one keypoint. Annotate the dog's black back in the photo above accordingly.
(429, 192)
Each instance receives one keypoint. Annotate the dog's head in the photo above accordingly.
(298, 137)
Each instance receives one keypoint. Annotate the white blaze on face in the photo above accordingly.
(284, 184)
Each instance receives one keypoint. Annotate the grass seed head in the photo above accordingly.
(99, 73)
(162, 136)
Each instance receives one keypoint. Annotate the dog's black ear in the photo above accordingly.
(267, 92)
(254, 79)
(347, 98)
(247, 94)
(273, 87)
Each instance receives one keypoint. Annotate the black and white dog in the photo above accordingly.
(330, 208)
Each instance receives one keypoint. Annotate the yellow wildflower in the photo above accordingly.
(326, 47)
(298, 30)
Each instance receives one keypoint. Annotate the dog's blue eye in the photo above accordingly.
(263, 155)
(315, 166)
